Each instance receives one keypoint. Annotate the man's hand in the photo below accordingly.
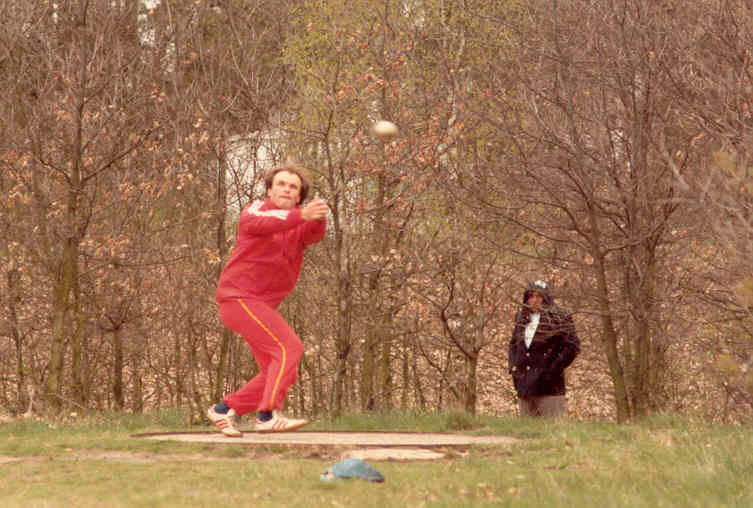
(316, 209)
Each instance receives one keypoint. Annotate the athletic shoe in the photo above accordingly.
(226, 422)
(279, 423)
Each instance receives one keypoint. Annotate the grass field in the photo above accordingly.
(662, 461)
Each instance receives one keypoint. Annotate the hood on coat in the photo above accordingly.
(540, 287)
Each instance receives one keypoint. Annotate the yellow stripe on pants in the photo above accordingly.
(282, 347)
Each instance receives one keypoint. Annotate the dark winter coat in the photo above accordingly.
(540, 369)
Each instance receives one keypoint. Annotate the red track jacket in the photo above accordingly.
(268, 253)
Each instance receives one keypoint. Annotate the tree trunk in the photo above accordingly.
(66, 284)
(386, 372)
(368, 369)
(609, 340)
(78, 349)
(405, 377)
(418, 387)
(12, 279)
(344, 318)
(342, 352)
(137, 394)
(61, 322)
(644, 361)
(117, 369)
(220, 375)
(471, 384)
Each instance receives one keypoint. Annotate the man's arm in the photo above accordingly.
(511, 345)
(316, 209)
(315, 214)
(570, 345)
(255, 221)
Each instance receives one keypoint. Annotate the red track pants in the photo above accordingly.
(275, 346)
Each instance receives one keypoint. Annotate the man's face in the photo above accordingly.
(534, 301)
(285, 192)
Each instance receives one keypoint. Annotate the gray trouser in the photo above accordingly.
(547, 405)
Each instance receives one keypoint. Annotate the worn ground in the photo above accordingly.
(364, 445)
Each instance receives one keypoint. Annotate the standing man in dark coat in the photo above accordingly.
(543, 344)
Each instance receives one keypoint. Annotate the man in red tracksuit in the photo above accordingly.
(262, 270)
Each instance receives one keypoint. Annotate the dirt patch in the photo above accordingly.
(316, 445)
(364, 445)
(379, 454)
(336, 438)
(111, 456)
(10, 460)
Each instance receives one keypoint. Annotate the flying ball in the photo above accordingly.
(385, 130)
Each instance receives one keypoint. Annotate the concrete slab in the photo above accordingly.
(337, 438)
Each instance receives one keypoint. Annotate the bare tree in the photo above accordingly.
(717, 99)
(85, 112)
(364, 180)
(464, 290)
(589, 138)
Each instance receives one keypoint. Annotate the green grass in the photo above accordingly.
(662, 461)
